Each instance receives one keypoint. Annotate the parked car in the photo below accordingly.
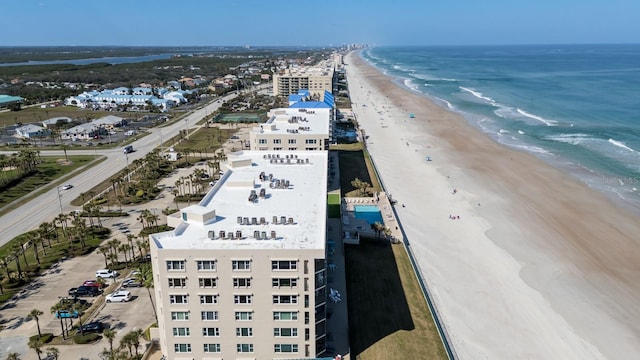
(131, 282)
(106, 274)
(94, 283)
(84, 291)
(118, 296)
(91, 327)
(65, 314)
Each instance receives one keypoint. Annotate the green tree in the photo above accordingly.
(13, 356)
(35, 314)
(110, 335)
(36, 345)
(53, 352)
(145, 277)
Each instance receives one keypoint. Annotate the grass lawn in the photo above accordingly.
(356, 164)
(205, 139)
(37, 115)
(50, 170)
(388, 315)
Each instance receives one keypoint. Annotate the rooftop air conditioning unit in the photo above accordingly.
(273, 234)
(256, 234)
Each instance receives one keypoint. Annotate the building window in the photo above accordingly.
(293, 149)
(285, 315)
(244, 315)
(212, 348)
(292, 141)
(178, 299)
(208, 282)
(277, 148)
(284, 282)
(174, 265)
(285, 299)
(285, 348)
(241, 265)
(209, 331)
(206, 265)
(181, 331)
(276, 141)
(244, 332)
(180, 315)
(244, 348)
(284, 265)
(209, 315)
(242, 299)
(208, 299)
(311, 141)
(182, 348)
(285, 332)
(177, 282)
(241, 283)
(310, 148)
(262, 141)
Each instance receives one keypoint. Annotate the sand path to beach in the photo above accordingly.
(539, 266)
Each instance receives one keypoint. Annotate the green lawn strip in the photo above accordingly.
(50, 174)
(356, 164)
(205, 139)
(388, 315)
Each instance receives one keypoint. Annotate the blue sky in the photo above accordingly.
(330, 22)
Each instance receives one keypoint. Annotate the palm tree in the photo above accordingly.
(35, 314)
(53, 352)
(136, 335)
(127, 341)
(54, 309)
(104, 250)
(130, 238)
(377, 227)
(145, 277)
(36, 345)
(13, 356)
(110, 335)
(16, 249)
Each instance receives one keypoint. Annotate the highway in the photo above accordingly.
(46, 206)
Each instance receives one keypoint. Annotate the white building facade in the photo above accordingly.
(243, 274)
(292, 129)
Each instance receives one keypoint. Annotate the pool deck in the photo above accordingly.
(353, 225)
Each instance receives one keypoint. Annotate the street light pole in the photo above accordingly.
(126, 156)
(60, 199)
(186, 126)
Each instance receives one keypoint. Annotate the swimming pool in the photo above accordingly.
(371, 213)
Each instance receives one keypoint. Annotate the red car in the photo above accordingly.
(93, 283)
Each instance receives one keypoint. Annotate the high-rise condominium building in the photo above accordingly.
(242, 275)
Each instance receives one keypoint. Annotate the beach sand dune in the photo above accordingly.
(539, 266)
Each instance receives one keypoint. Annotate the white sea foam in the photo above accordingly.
(536, 117)
(411, 85)
(622, 145)
(503, 131)
(573, 139)
(520, 132)
(432, 78)
(480, 95)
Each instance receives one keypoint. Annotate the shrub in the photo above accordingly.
(86, 338)
(45, 338)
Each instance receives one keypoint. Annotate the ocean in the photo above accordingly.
(575, 106)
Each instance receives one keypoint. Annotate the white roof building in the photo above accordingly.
(291, 129)
(248, 259)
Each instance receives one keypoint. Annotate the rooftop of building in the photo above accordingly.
(300, 120)
(275, 201)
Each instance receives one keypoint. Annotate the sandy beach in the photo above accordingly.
(538, 265)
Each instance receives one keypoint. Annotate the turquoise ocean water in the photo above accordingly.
(575, 106)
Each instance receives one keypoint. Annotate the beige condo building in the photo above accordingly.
(316, 79)
(242, 275)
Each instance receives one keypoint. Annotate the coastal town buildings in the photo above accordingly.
(161, 98)
(243, 273)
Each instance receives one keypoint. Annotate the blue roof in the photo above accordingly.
(295, 97)
(310, 105)
(9, 99)
(303, 92)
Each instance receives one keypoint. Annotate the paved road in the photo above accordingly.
(47, 206)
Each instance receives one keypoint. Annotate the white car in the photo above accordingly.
(67, 187)
(118, 296)
(106, 273)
